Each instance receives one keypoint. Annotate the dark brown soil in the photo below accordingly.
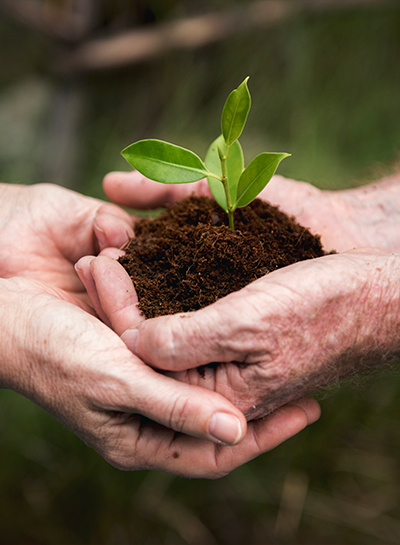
(188, 257)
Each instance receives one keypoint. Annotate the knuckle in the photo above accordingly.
(181, 412)
(223, 463)
(157, 342)
(119, 462)
(125, 459)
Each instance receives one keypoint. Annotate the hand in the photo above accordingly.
(45, 229)
(281, 337)
(353, 218)
(118, 306)
(75, 367)
(291, 332)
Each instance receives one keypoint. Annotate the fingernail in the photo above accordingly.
(114, 253)
(226, 428)
(130, 338)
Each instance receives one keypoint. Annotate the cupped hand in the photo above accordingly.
(45, 229)
(347, 219)
(288, 333)
(81, 372)
(285, 335)
(201, 334)
(274, 341)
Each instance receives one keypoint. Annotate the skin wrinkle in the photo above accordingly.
(179, 410)
(345, 219)
(220, 460)
(381, 209)
(49, 371)
(36, 354)
(55, 231)
(146, 434)
(232, 337)
(234, 384)
(392, 316)
(378, 297)
(168, 346)
(36, 231)
(12, 203)
(199, 336)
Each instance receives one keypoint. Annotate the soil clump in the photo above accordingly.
(188, 257)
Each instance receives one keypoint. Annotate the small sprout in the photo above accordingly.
(232, 185)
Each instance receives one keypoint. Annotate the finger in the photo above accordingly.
(367, 250)
(290, 195)
(134, 190)
(187, 409)
(310, 406)
(114, 253)
(83, 270)
(158, 448)
(112, 229)
(183, 341)
(116, 293)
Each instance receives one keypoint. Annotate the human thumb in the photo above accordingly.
(182, 341)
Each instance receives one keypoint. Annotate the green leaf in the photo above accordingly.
(256, 176)
(235, 112)
(234, 168)
(164, 162)
(213, 164)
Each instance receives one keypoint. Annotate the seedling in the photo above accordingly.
(232, 185)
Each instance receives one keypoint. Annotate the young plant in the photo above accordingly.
(232, 185)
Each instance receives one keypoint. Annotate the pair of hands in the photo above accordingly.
(286, 334)
(57, 352)
(63, 357)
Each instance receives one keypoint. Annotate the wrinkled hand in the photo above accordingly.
(76, 368)
(45, 229)
(277, 339)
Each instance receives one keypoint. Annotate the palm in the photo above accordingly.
(44, 235)
(367, 216)
(83, 374)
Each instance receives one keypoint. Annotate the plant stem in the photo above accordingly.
(224, 180)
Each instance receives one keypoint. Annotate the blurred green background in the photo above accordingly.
(325, 83)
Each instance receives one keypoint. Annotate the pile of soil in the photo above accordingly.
(188, 257)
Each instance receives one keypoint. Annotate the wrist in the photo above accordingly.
(380, 318)
(370, 214)
(10, 307)
(23, 343)
(362, 320)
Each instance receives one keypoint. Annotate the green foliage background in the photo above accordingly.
(325, 87)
